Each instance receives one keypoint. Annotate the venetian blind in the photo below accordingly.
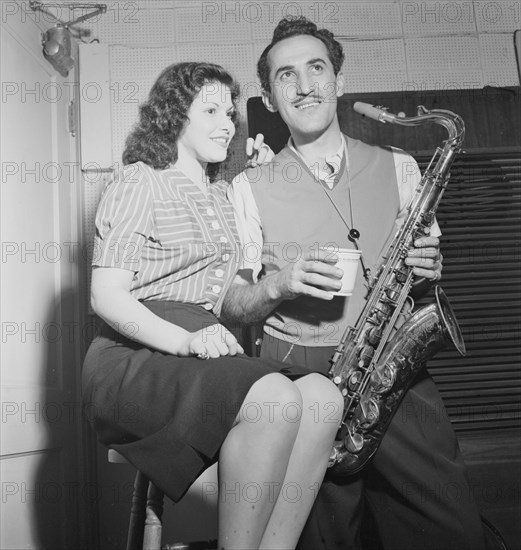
(480, 218)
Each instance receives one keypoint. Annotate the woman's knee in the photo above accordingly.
(274, 399)
(276, 387)
(321, 397)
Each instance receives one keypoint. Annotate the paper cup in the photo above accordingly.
(348, 260)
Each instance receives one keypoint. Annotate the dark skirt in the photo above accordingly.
(168, 415)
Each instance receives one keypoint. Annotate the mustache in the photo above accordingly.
(308, 99)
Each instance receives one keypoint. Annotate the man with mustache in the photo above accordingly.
(325, 188)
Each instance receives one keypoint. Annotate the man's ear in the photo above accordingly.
(266, 99)
(340, 84)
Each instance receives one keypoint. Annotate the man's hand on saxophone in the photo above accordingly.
(426, 258)
(427, 262)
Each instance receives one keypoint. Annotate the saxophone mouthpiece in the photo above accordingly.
(368, 110)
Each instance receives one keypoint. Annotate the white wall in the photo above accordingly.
(41, 433)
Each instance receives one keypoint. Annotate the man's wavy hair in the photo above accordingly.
(164, 115)
(296, 26)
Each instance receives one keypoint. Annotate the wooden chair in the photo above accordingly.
(145, 524)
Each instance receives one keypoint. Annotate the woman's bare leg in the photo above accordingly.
(321, 413)
(253, 461)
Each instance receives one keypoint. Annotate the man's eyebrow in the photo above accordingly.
(316, 60)
(283, 69)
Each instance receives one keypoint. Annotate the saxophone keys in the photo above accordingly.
(383, 378)
(375, 335)
(401, 275)
(383, 311)
(366, 354)
(354, 442)
(370, 414)
(338, 381)
(392, 296)
(354, 380)
(334, 457)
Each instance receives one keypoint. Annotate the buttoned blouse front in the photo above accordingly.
(181, 244)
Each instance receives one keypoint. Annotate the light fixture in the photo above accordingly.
(57, 49)
(57, 41)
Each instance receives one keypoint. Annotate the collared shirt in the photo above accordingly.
(333, 163)
(249, 224)
(180, 244)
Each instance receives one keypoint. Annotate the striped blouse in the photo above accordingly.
(180, 244)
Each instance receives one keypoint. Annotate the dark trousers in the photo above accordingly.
(413, 495)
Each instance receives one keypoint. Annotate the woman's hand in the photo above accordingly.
(258, 152)
(211, 342)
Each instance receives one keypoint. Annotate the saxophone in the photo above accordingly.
(376, 361)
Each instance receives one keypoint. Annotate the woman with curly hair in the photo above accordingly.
(167, 251)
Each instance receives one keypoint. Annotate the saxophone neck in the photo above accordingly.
(452, 122)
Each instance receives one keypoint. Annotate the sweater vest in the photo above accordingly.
(297, 216)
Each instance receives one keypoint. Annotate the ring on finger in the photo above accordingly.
(203, 356)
